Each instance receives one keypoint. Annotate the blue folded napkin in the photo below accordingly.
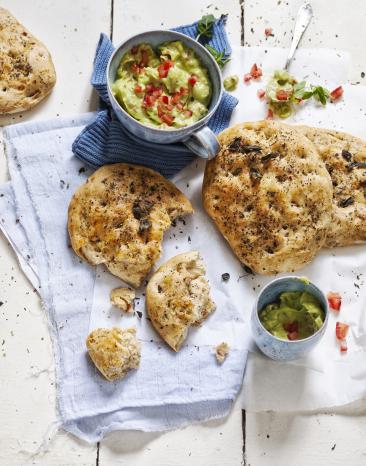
(106, 141)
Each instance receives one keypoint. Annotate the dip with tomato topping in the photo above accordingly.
(168, 88)
(295, 316)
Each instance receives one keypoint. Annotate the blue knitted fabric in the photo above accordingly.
(106, 141)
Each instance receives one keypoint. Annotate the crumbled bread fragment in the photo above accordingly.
(221, 351)
(114, 351)
(123, 299)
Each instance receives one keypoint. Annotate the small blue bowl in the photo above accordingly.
(276, 348)
(197, 137)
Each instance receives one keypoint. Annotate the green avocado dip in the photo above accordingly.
(168, 88)
(296, 315)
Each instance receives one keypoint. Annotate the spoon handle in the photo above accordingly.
(303, 18)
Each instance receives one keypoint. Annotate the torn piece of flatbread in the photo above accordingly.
(221, 351)
(118, 218)
(114, 351)
(178, 296)
(123, 298)
(27, 74)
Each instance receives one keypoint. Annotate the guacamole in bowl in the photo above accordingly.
(294, 316)
(166, 88)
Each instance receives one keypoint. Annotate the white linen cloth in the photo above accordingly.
(170, 390)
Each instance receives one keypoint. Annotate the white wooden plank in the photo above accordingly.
(27, 383)
(27, 387)
(136, 16)
(335, 25)
(303, 440)
(215, 443)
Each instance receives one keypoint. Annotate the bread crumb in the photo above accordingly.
(123, 298)
(221, 351)
(114, 351)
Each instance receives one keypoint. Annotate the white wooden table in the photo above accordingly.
(70, 28)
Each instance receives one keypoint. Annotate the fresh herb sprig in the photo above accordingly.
(319, 93)
(205, 26)
(218, 56)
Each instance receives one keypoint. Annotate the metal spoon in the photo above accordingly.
(303, 19)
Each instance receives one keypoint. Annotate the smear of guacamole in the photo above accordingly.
(296, 315)
(281, 81)
(231, 83)
(167, 88)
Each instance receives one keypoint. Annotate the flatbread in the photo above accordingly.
(118, 218)
(178, 296)
(114, 351)
(27, 74)
(270, 195)
(345, 159)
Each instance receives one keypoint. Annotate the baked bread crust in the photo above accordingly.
(270, 195)
(27, 73)
(114, 351)
(345, 159)
(178, 296)
(118, 218)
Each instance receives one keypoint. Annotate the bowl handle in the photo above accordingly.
(203, 143)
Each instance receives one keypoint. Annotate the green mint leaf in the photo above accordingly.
(205, 25)
(320, 94)
(218, 56)
(299, 86)
(306, 95)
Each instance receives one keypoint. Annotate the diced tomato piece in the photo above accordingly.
(163, 73)
(149, 88)
(135, 68)
(334, 300)
(282, 95)
(247, 77)
(268, 32)
(169, 107)
(149, 100)
(291, 326)
(157, 91)
(269, 114)
(144, 58)
(261, 93)
(164, 99)
(188, 113)
(138, 89)
(192, 80)
(343, 346)
(293, 335)
(175, 98)
(168, 119)
(179, 106)
(183, 91)
(255, 71)
(134, 49)
(341, 330)
(336, 93)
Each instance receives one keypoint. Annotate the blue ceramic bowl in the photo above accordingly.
(198, 137)
(274, 347)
